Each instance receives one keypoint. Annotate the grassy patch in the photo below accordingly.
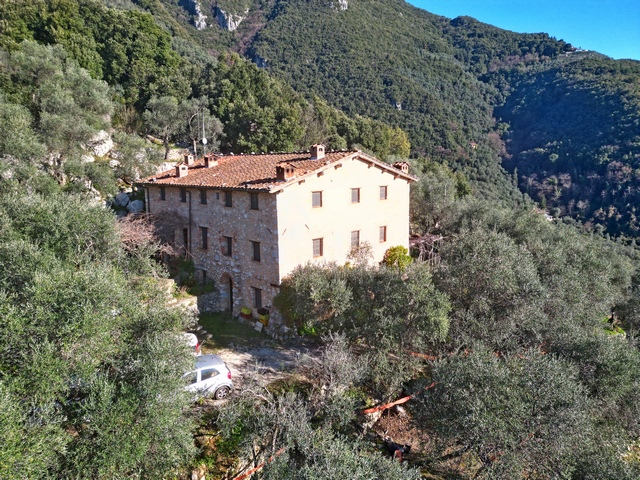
(291, 384)
(199, 288)
(226, 331)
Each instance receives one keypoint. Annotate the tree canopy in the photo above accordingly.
(90, 375)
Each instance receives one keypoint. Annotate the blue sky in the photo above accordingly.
(611, 27)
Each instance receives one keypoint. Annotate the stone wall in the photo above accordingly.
(238, 222)
(209, 302)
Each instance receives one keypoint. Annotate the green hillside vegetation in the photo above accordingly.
(390, 61)
(260, 113)
(468, 95)
(444, 82)
(90, 366)
(575, 138)
(50, 108)
(123, 47)
(484, 48)
(567, 114)
(130, 68)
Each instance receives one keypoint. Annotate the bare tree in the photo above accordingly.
(140, 235)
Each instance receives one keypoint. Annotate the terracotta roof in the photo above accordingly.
(256, 171)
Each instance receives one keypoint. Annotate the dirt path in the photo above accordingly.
(265, 361)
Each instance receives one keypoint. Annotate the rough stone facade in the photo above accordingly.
(238, 274)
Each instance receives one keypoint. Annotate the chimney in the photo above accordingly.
(182, 170)
(285, 171)
(188, 159)
(317, 152)
(210, 160)
(404, 166)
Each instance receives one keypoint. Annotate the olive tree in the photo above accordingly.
(67, 106)
(200, 124)
(398, 309)
(90, 360)
(494, 289)
(304, 434)
(523, 415)
(163, 118)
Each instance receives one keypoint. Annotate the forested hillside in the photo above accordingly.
(388, 60)
(476, 98)
(575, 138)
(508, 110)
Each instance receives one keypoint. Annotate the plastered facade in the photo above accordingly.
(299, 222)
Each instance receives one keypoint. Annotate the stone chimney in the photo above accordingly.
(210, 160)
(317, 152)
(182, 170)
(285, 171)
(188, 159)
(404, 166)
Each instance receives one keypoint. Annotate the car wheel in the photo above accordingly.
(221, 393)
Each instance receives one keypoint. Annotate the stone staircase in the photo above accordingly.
(184, 301)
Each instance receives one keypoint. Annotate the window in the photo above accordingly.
(183, 195)
(206, 373)
(204, 277)
(257, 297)
(355, 238)
(191, 377)
(355, 195)
(317, 247)
(255, 247)
(228, 200)
(316, 199)
(227, 247)
(254, 201)
(383, 234)
(204, 234)
(185, 238)
(163, 193)
(383, 192)
(203, 196)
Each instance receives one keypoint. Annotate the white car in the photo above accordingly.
(211, 377)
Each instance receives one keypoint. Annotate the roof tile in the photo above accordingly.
(253, 172)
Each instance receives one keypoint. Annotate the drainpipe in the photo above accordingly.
(190, 230)
(147, 198)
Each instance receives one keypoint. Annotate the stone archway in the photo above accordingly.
(226, 293)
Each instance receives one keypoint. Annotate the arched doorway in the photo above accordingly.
(226, 293)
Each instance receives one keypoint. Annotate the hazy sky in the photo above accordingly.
(611, 27)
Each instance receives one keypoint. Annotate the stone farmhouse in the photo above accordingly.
(248, 220)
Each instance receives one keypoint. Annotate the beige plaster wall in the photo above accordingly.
(299, 223)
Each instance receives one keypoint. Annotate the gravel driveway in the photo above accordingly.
(266, 361)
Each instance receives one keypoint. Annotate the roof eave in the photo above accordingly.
(385, 166)
(297, 179)
(197, 185)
